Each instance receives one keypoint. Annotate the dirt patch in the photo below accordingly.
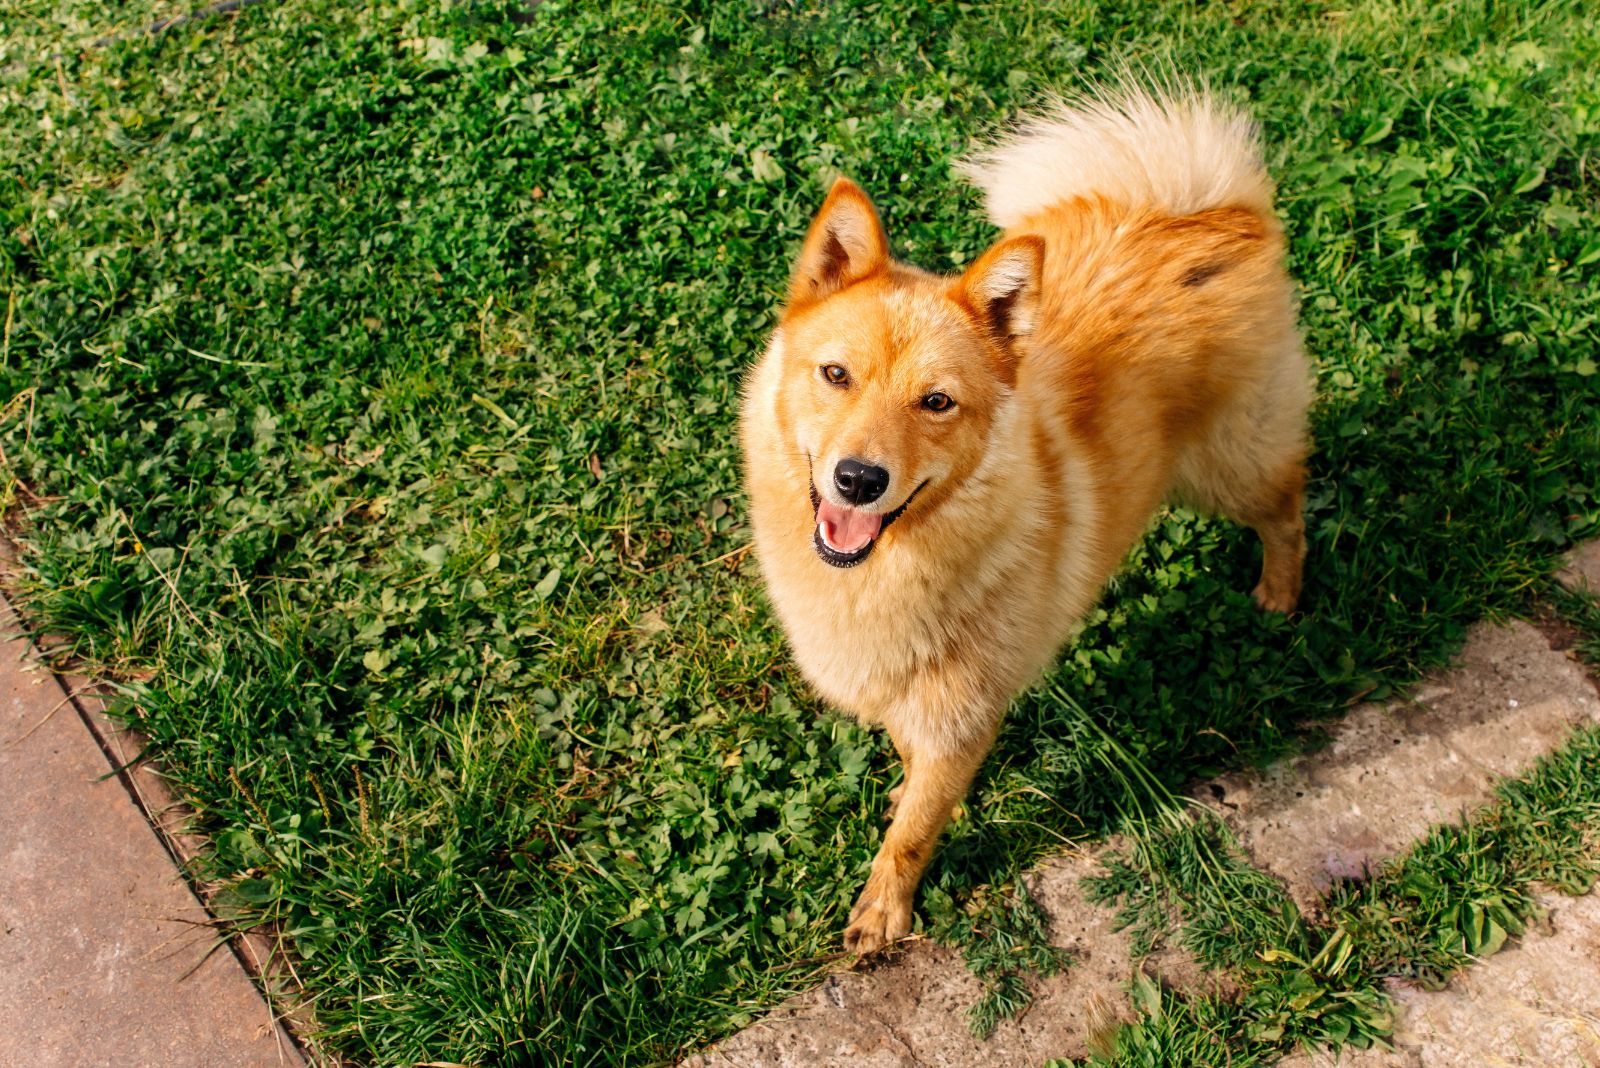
(1560, 633)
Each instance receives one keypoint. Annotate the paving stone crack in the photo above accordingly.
(894, 1033)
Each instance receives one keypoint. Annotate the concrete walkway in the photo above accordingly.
(105, 955)
(1392, 771)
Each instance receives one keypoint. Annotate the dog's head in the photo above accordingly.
(892, 378)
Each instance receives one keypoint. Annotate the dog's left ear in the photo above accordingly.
(845, 244)
(1001, 290)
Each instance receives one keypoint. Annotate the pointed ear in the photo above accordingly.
(1001, 290)
(845, 244)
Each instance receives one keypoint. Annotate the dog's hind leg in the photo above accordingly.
(894, 802)
(1250, 467)
(1268, 500)
(1277, 515)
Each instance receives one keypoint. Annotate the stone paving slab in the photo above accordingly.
(105, 958)
(1535, 1004)
(1394, 770)
(1582, 571)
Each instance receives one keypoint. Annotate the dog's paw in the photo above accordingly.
(1273, 598)
(875, 922)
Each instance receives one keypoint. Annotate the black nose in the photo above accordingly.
(860, 483)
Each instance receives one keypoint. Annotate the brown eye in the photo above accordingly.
(835, 375)
(938, 402)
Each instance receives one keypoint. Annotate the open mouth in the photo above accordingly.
(845, 536)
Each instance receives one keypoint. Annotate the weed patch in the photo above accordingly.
(1301, 982)
(1005, 940)
(1464, 890)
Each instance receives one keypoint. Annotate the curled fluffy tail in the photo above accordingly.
(1176, 149)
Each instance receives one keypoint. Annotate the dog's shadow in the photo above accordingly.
(1179, 673)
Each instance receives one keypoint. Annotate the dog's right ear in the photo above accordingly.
(845, 244)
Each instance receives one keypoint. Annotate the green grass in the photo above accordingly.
(375, 369)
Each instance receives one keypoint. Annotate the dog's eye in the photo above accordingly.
(938, 402)
(835, 375)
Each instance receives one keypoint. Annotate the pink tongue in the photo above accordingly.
(845, 529)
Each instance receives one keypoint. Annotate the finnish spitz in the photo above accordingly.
(944, 472)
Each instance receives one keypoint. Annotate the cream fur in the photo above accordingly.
(1177, 149)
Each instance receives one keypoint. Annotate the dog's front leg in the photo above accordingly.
(936, 780)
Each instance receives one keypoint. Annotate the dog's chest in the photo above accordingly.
(865, 641)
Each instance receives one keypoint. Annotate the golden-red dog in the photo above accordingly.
(943, 472)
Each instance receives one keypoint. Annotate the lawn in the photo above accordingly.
(369, 377)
